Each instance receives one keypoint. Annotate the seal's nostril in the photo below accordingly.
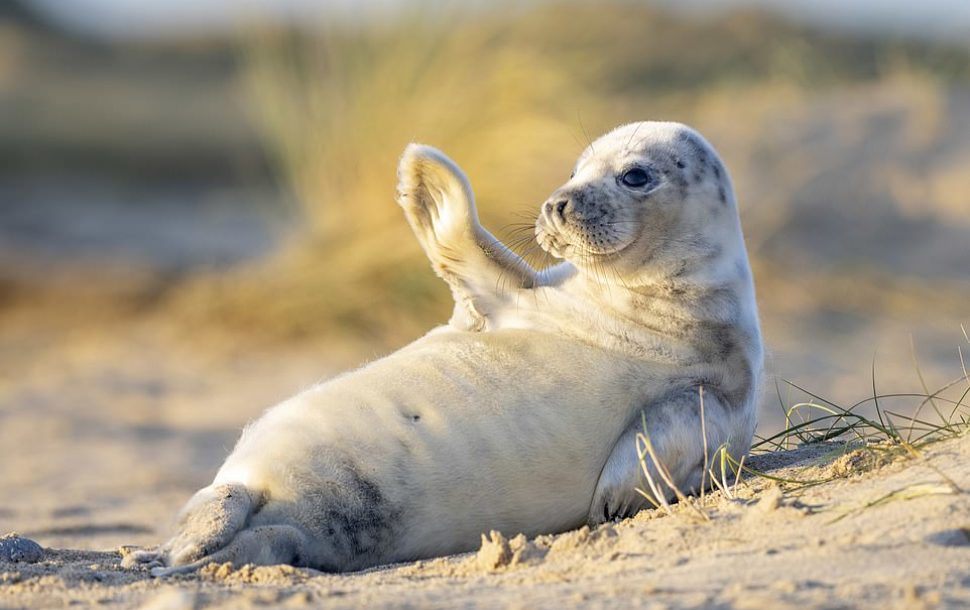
(561, 208)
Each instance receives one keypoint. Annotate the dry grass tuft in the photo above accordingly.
(513, 94)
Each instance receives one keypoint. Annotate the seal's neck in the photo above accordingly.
(714, 292)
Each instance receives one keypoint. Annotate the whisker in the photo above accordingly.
(526, 215)
(521, 240)
(544, 258)
(633, 135)
(583, 127)
(517, 244)
(519, 231)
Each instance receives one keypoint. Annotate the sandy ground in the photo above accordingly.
(896, 537)
(107, 427)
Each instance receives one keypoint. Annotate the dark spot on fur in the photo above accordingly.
(681, 183)
(689, 138)
(358, 521)
(717, 172)
(411, 417)
(679, 163)
(682, 268)
(722, 195)
(695, 147)
(259, 502)
(727, 347)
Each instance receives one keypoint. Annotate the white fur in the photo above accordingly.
(520, 414)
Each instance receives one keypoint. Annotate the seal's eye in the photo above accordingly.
(635, 178)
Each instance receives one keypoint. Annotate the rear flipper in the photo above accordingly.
(262, 545)
(208, 523)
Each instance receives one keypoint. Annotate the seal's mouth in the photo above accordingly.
(549, 240)
(573, 238)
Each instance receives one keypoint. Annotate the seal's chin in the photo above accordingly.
(549, 241)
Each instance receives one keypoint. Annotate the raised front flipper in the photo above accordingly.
(440, 207)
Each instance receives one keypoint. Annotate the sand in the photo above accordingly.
(897, 536)
(107, 427)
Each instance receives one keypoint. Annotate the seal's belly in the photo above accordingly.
(463, 432)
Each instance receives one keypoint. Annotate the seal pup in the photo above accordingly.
(520, 414)
(654, 267)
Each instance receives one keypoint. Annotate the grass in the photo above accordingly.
(513, 96)
(656, 494)
(865, 432)
(877, 433)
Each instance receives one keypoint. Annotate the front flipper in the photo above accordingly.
(440, 207)
(674, 428)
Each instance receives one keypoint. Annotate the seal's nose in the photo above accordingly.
(557, 207)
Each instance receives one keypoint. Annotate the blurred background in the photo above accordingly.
(197, 214)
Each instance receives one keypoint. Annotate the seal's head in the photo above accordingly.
(646, 197)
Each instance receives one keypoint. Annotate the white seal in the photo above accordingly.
(520, 414)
